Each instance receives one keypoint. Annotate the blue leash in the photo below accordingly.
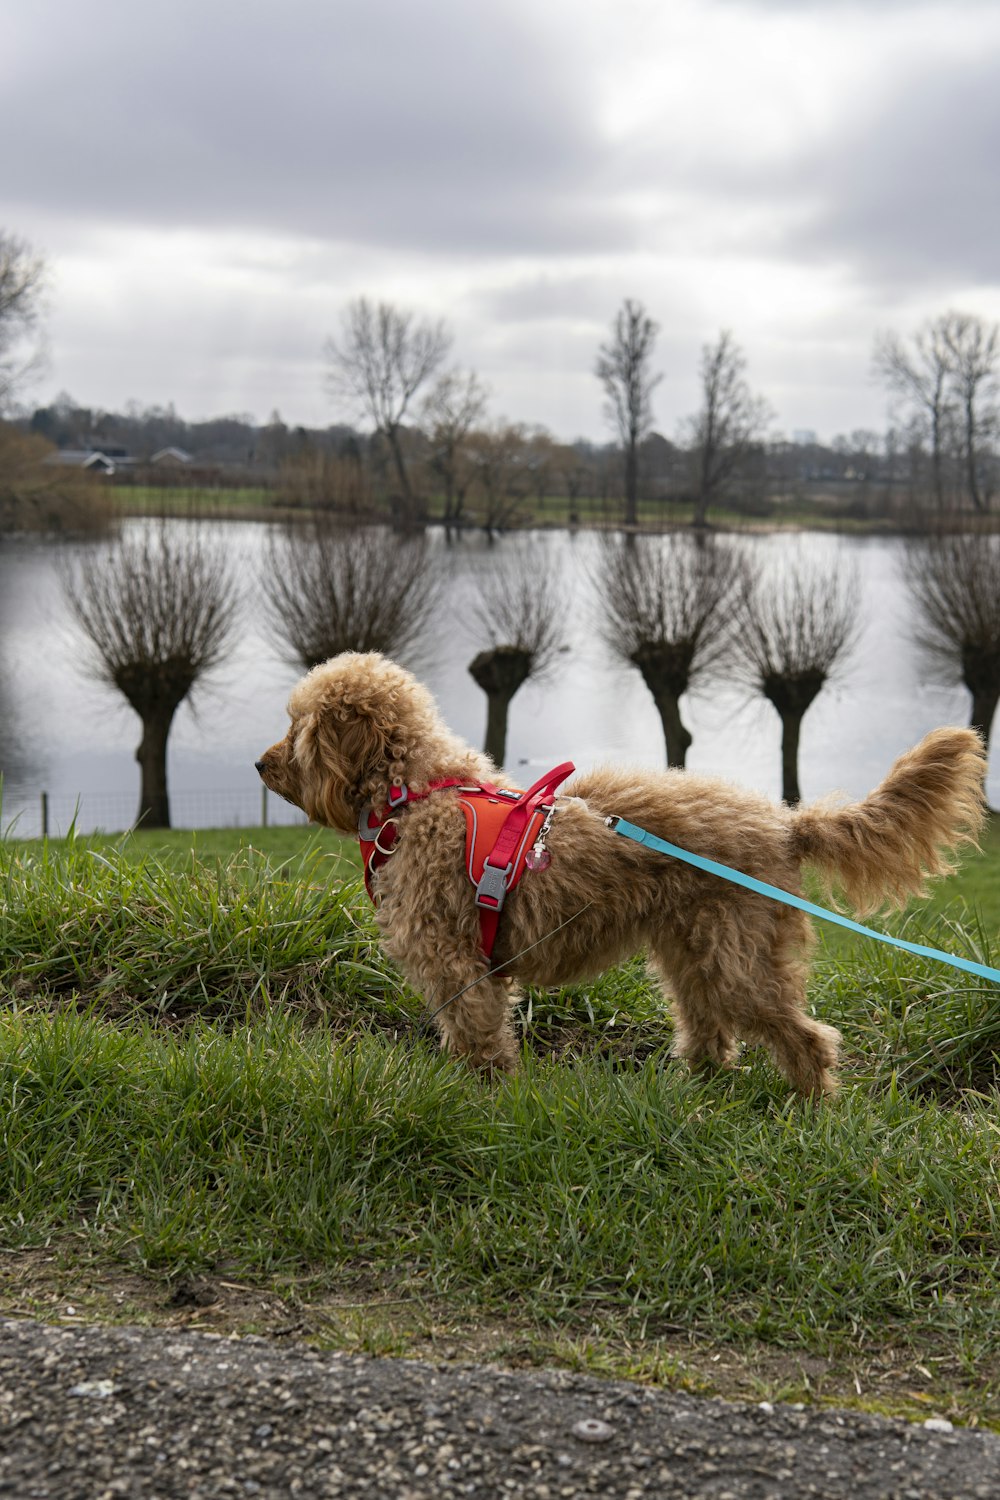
(642, 836)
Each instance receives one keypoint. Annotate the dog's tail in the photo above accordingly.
(884, 849)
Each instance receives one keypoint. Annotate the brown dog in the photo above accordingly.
(734, 962)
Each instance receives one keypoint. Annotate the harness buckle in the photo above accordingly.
(491, 888)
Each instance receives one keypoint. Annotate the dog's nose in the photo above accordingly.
(258, 766)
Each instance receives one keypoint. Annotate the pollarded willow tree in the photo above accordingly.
(158, 609)
(954, 581)
(794, 632)
(328, 588)
(666, 607)
(521, 620)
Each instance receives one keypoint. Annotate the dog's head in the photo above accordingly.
(360, 724)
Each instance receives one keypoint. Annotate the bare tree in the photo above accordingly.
(158, 610)
(921, 381)
(574, 471)
(954, 580)
(521, 621)
(974, 347)
(623, 369)
(497, 454)
(667, 603)
(329, 589)
(794, 632)
(379, 363)
(456, 402)
(22, 278)
(951, 380)
(730, 427)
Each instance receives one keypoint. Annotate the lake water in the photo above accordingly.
(65, 734)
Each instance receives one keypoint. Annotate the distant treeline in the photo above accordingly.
(504, 475)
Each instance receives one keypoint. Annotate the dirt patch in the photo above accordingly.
(66, 1283)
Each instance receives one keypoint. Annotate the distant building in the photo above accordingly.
(107, 461)
(171, 456)
(804, 437)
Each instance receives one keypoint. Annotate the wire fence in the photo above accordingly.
(47, 814)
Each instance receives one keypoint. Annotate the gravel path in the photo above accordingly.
(90, 1413)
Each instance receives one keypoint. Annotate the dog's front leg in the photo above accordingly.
(472, 1014)
(438, 948)
(474, 1020)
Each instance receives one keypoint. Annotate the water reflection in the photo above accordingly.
(22, 762)
(62, 732)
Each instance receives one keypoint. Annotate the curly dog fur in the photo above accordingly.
(733, 963)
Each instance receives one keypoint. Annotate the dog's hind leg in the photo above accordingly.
(703, 1036)
(758, 997)
(805, 1050)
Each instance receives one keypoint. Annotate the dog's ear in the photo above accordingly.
(352, 754)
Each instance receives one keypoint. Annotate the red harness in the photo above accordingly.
(501, 827)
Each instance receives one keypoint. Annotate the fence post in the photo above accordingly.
(45, 815)
(263, 807)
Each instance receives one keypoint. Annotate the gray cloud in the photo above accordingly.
(911, 190)
(520, 168)
(862, 8)
(444, 125)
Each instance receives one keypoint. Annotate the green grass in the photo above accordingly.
(718, 1206)
(250, 501)
(207, 1066)
(198, 500)
(177, 847)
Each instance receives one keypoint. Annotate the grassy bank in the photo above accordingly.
(826, 509)
(211, 1079)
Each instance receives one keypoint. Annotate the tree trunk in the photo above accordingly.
(970, 457)
(791, 694)
(495, 746)
(631, 485)
(675, 733)
(984, 707)
(666, 671)
(499, 671)
(791, 724)
(937, 467)
(392, 438)
(154, 804)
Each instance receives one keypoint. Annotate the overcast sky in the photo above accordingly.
(211, 181)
